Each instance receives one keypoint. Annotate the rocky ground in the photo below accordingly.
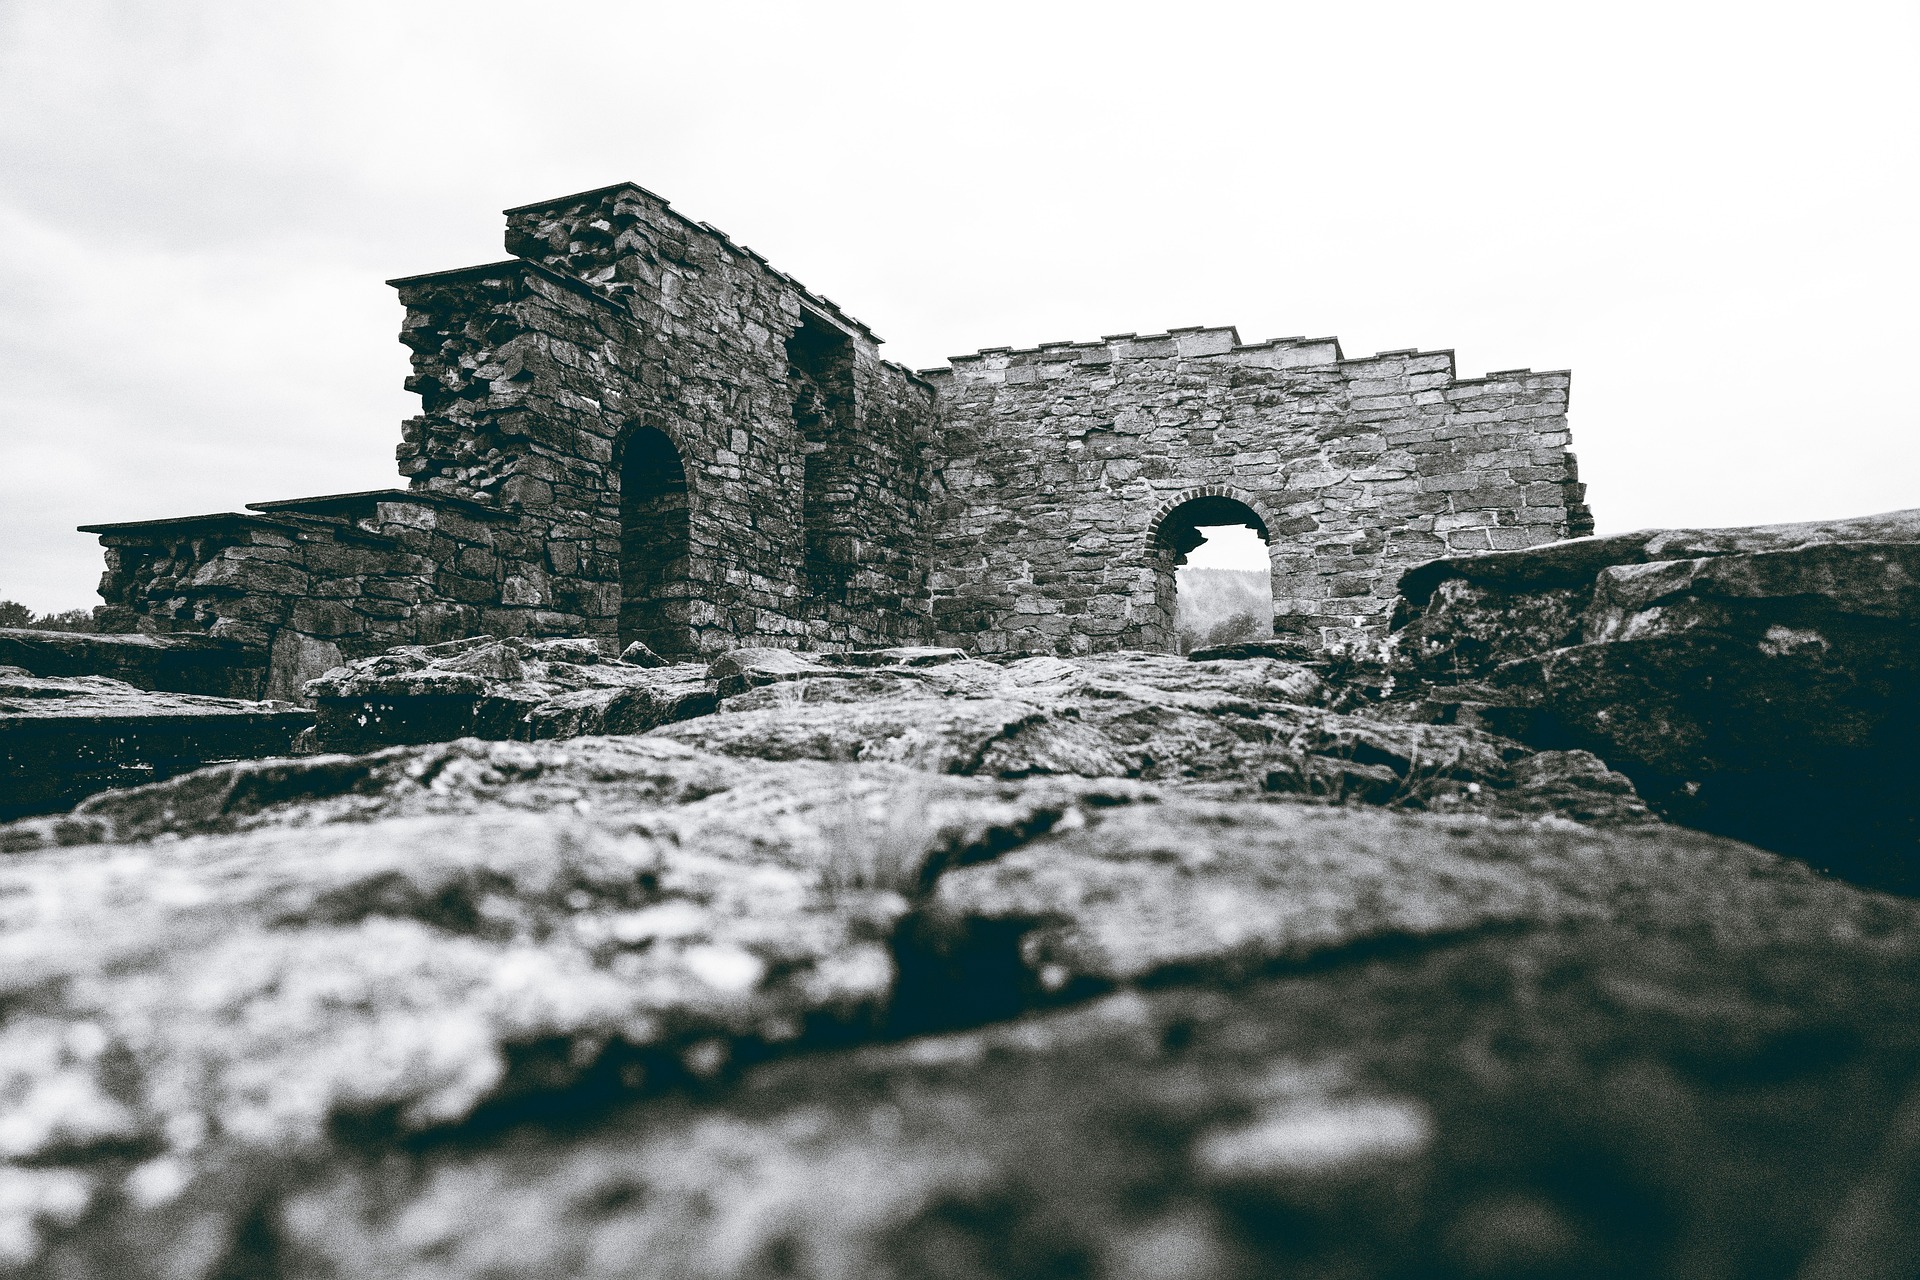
(911, 964)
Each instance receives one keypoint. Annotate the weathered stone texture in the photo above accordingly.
(63, 738)
(622, 320)
(620, 1006)
(173, 663)
(487, 688)
(1061, 465)
(311, 583)
(1763, 683)
(803, 447)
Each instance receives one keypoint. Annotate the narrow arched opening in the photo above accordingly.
(820, 380)
(1213, 573)
(655, 595)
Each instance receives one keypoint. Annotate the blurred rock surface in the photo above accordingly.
(1126, 966)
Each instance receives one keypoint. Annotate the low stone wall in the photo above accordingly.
(312, 583)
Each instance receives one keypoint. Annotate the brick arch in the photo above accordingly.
(1157, 536)
(1171, 534)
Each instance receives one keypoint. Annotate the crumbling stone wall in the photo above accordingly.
(622, 319)
(1065, 468)
(806, 498)
(636, 429)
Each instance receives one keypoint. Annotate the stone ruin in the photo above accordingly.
(635, 429)
(904, 959)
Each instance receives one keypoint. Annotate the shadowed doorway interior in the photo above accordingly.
(654, 526)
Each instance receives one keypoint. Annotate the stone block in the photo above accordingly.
(326, 618)
(453, 587)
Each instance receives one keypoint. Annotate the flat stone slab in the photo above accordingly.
(1250, 728)
(63, 738)
(511, 688)
(1763, 683)
(175, 663)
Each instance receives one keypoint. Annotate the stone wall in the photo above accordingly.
(315, 582)
(1072, 474)
(636, 429)
(623, 319)
(806, 506)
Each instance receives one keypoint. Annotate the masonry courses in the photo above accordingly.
(635, 429)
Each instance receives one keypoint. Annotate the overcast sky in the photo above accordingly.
(1707, 212)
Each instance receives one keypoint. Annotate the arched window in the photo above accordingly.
(1213, 576)
(654, 529)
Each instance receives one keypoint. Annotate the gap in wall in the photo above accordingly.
(1223, 594)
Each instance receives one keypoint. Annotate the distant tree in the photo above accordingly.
(1221, 606)
(15, 614)
(70, 620)
(1235, 630)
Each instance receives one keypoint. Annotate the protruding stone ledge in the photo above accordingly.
(365, 503)
(485, 687)
(63, 738)
(193, 664)
(210, 522)
(1761, 683)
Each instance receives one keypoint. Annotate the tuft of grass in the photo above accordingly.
(881, 841)
(1360, 671)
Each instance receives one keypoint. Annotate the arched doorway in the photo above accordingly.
(654, 530)
(1213, 575)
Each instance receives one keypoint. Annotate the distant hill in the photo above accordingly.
(1222, 606)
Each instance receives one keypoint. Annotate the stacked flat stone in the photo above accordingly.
(315, 582)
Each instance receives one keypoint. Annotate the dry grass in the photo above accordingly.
(1433, 784)
(880, 840)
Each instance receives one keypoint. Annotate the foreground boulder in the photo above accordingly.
(63, 738)
(614, 1005)
(1763, 683)
(1248, 728)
